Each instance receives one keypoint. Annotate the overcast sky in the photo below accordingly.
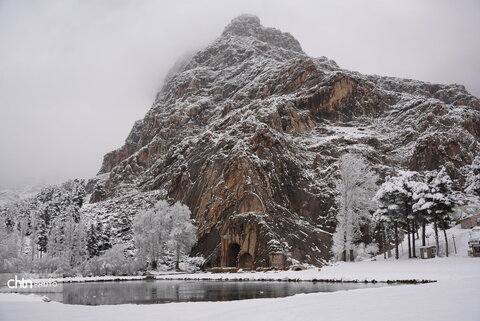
(75, 75)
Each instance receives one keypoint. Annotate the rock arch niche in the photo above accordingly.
(232, 254)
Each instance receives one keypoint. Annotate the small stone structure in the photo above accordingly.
(474, 248)
(474, 242)
(471, 221)
(428, 252)
(277, 260)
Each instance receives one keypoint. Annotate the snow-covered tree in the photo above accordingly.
(389, 213)
(410, 199)
(396, 199)
(92, 241)
(68, 240)
(163, 228)
(9, 249)
(182, 234)
(355, 189)
(441, 201)
(472, 185)
(421, 205)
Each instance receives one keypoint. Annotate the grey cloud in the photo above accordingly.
(75, 75)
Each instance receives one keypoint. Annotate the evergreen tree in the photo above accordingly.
(103, 235)
(472, 185)
(392, 199)
(92, 242)
(441, 202)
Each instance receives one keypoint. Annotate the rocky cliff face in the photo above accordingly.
(247, 134)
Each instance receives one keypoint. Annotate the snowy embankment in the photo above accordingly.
(453, 297)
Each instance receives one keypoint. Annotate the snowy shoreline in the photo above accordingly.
(271, 276)
(454, 295)
(457, 283)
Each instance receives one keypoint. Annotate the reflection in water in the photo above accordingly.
(149, 292)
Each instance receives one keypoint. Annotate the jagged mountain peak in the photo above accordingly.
(243, 40)
(244, 19)
(247, 25)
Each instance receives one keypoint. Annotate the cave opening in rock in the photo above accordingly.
(245, 261)
(232, 254)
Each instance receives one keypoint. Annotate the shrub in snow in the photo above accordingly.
(115, 261)
(364, 252)
(192, 264)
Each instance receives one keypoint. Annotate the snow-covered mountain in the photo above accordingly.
(247, 134)
(20, 192)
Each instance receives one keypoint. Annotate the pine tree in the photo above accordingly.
(92, 242)
(391, 199)
(472, 185)
(103, 236)
(442, 203)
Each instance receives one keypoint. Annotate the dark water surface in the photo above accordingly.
(160, 291)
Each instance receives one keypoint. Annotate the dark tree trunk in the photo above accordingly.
(408, 237)
(344, 256)
(446, 241)
(396, 240)
(384, 244)
(435, 227)
(352, 258)
(414, 229)
(177, 262)
(424, 241)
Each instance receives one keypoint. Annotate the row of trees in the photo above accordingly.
(50, 223)
(403, 204)
(47, 233)
(412, 200)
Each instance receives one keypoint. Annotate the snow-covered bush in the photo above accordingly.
(192, 264)
(114, 261)
(364, 252)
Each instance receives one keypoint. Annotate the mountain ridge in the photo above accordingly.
(247, 134)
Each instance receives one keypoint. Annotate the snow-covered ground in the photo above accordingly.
(453, 297)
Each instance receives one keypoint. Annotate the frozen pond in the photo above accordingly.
(159, 291)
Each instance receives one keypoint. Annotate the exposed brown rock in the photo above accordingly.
(248, 132)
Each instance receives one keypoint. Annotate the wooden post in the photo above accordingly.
(454, 245)
(414, 227)
(382, 235)
(396, 240)
(423, 232)
(408, 238)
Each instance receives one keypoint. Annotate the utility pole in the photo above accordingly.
(454, 245)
